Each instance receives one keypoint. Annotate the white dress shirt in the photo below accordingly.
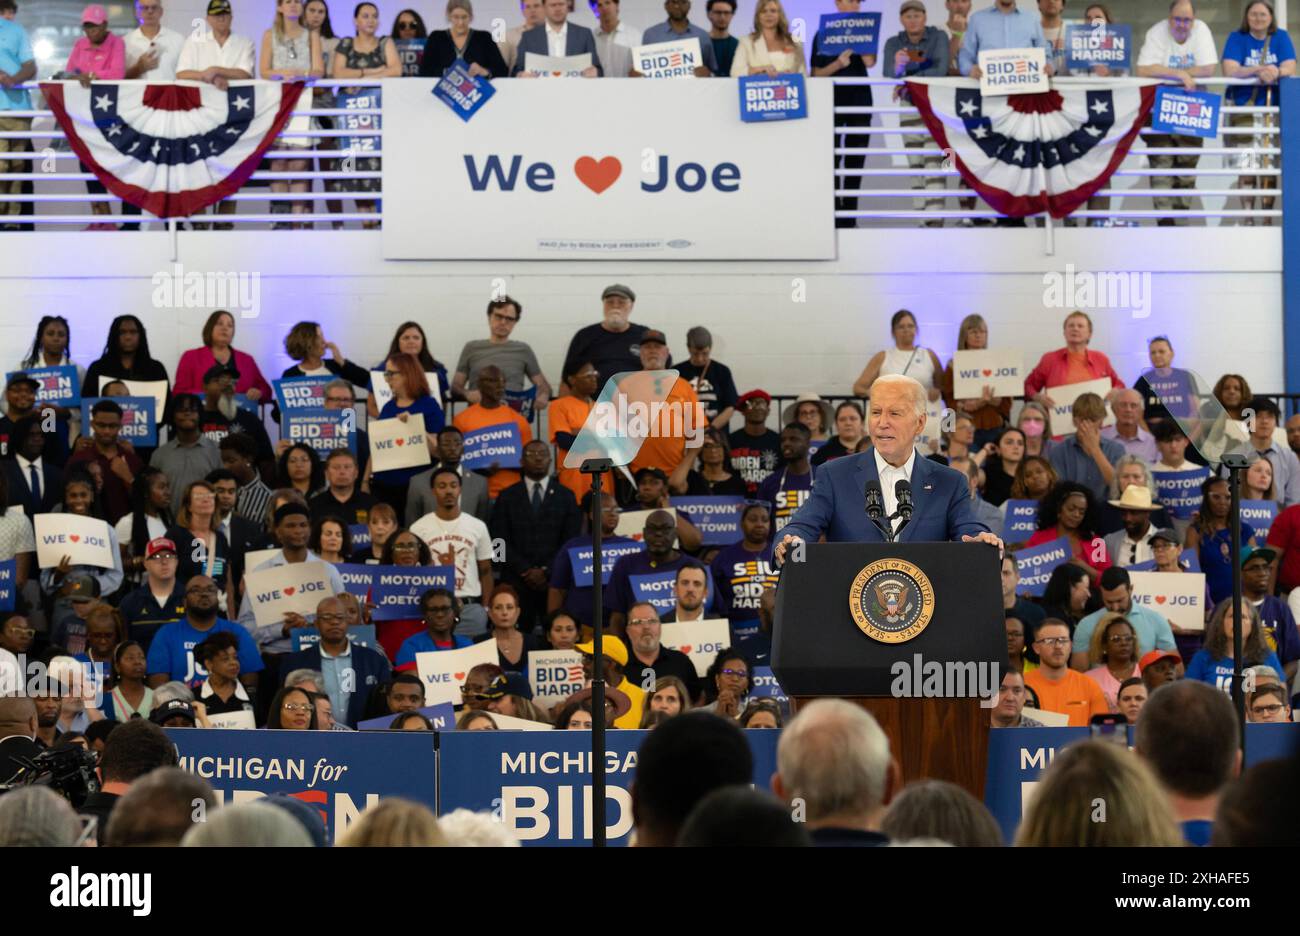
(532, 485)
(200, 54)
(557, 42)
(167, 44)
(25, 467)
(889, 477)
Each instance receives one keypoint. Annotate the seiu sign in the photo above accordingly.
(540, 176)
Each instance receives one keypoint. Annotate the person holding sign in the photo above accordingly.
(411, 400)
(20, 403)
(1069, 510)
(564, 592)
(473, 48)
(770, 49)
(1075, 363)
(126, 357)
(1001, 26)
(678, 26)
(52, 347)
(78, 499)
(742, 571)
(491, 410)
(441, 612)
(556, 37)
(989, 413)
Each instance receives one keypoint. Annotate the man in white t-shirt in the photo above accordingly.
(461, 540)
(152, 50)
(1181, 48)
(215, 55)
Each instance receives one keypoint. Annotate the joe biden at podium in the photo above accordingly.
(941, 507)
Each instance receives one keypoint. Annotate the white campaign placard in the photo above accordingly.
(556, 66)
(666, 173)
(243, 719)
(668, 59)
(293, 587)
(255, 557)
(1003, 370)
(84, 540)
(631, 523)
(1049, 719)
(443, 672)
(397, 444)
(699, 640)
(1063, 398)
(510, 723)
(1013, 71)
(1178, 596)
(383, 393)
(147, 388)
(554, 675)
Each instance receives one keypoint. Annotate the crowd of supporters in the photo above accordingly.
(302, 44)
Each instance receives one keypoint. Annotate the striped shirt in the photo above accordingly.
(251, 501)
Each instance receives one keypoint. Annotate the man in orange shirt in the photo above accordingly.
(1059, 688)
(491, 410)
(682, 421)
(565, 416)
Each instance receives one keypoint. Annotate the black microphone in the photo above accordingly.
(875, 501)
(903, 492)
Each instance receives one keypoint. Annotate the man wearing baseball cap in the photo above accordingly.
(755, 449)
(216, 56)
(918, 51)
(682, 421)
(612, 344)
(159, 599)
(614, 655)
(98, 55)
(1159, 667)
(1274, 615)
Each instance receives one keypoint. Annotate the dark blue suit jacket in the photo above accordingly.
(577, 40)
(370, 666)
(942, 508)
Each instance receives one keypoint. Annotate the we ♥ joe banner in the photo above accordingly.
(296, 587)
(84, 540)
(572, 187)
(443, 671)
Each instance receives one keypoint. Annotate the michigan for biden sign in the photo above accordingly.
(764, 97)
(1013, 71)
(1191, 113)
(663, 174)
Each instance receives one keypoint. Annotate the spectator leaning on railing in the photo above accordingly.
(17, 65)
(1001, 26)
(918, 51)
(1181, 48)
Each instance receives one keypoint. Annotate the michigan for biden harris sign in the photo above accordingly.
(665, 171)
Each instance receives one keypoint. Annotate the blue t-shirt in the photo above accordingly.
(172, 651)
(434, 421)
(1218, 672)
(423, 643)
(578, 598)
(1215, 562)
(1196, 832)
(620, 594)
(1244, 48)
(739, 576)
(786, 493)
(1279, 628)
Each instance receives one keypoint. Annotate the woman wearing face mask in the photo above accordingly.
(1036, 424)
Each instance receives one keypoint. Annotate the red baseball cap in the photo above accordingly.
(161, 544)
(753, 395)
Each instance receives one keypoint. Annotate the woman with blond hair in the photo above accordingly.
(989, 413)
(291, 52)
(1092, 780)
(393, 821)
(770, 49)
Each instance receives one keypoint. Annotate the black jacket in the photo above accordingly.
(533, 538)
(440, 53)
(19, 493)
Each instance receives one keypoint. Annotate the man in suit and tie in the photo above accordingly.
(557, 37)
(33, 481)
(473, 486)
(535, 518)
(942, 508)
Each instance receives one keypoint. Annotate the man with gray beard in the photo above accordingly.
(649, 659)
(222, 416)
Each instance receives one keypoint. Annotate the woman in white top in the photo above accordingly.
(906, 357)
(770, 49)
(291, 52)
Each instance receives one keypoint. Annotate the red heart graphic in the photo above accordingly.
(400, 441)
(685, 648)
(598, 176)
(556, 74)
(459, 675)
(290, 591)
(988, 373)
(1160, 599)
(74, 537)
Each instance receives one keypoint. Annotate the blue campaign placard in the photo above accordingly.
(856, 32)
(323, 430)
(397, 589)
(410, 52)
(501, 443)
(339, 773)
(1036, 565)
(359, 533)
(1109, 44)
(359, 99)
(523, 402)
(442, 715)
(764, 98)
(58, 385)
(581, 559)
(363, 635)
(1179, 492)
(462, 92)
(1022, 520)
(138, 424)
(8, 584)
(657, 588)
(358, 579)
(247, 405)
(1191, 113)
(1189, 559)
(301, 393)
(539, 782)
(766, 686)
(1260, 514)
(717, 518)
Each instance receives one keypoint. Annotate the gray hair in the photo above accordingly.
(460, 5)
(463, 828)
(170, 692)
(159, 808)
(299, 676)
(36, 816)
(248, 824)
(341, 384)
(920, 399)
(834, 756)
(1123, 462)
(699, 338)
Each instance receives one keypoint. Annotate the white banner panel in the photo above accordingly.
(613, 168)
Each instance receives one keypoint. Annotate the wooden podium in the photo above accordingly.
(820, 649)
